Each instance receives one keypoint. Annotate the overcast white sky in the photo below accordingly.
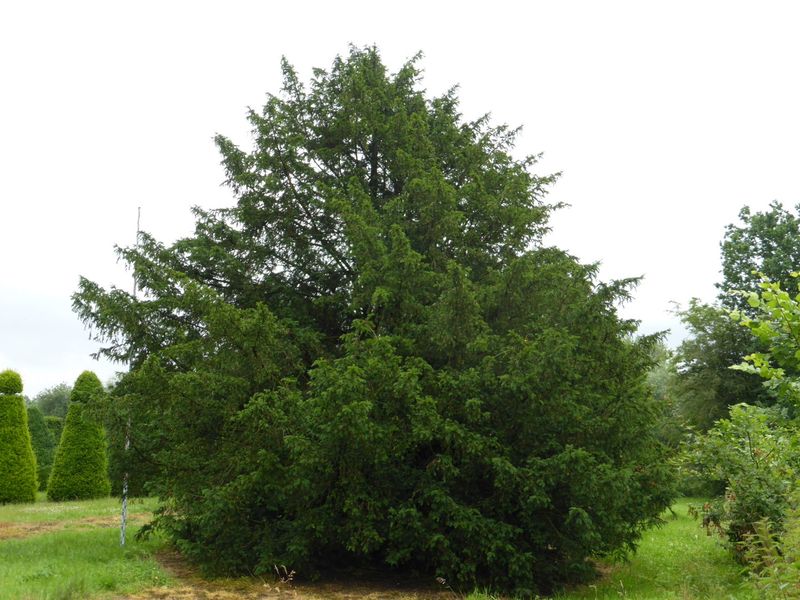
(665, 118)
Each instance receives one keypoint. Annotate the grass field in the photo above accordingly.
(677, 561)
(70, 551)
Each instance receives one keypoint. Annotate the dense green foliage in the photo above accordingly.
(80, 466)
(766, 243)
(56, 426)
(10, 382)
(756, 456)
(772, 314)
(774, 318)
(43, 444)
(17, 460)
(757, 451)
(371, 360)
(762, 242)
(706, 387)
(138, 460)
(53, 401)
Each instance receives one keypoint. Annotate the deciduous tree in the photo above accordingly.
(761, 244)
(53, 401)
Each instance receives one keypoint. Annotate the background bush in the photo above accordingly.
(17, 460)
(56, 426)
(53, 401)
(43, 444)
(757, 456)
(80, 467)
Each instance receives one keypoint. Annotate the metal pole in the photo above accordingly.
(124, 518)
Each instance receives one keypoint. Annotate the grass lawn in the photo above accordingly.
(70, 551)
(677, 561)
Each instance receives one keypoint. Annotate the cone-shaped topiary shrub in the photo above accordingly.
(44, 446)
(10, 383)
(80, 467)
(56, 426)
(17, 461)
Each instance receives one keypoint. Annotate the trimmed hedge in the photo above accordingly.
(44, 446)
(17, 460)
(10, 383)
(56, 426)
(80, 468)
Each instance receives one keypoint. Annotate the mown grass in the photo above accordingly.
(676, 561)
(71, 551)
(43, 511)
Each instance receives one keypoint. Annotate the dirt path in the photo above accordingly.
(10, 530)
(192, 587)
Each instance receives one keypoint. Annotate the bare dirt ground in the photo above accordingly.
(192, 587)
(10, 530)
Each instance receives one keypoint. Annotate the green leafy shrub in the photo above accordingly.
(373, 361)
(17, 460)
(43, 444)
(80, 467)
(757, 456)
(56, 426)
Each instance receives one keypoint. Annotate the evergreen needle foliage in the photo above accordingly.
(43, 444)
(17, 460)
(80, 467)
(56, 426)
(10, 383)
(371, 360)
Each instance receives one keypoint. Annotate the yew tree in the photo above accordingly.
(17, 460)
(43, 444)
(372, 360)
(80, 464)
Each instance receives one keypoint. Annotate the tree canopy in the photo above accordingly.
(53, 401)
(372, 360)
(764, 244)
(761, 244)
(706, 386)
